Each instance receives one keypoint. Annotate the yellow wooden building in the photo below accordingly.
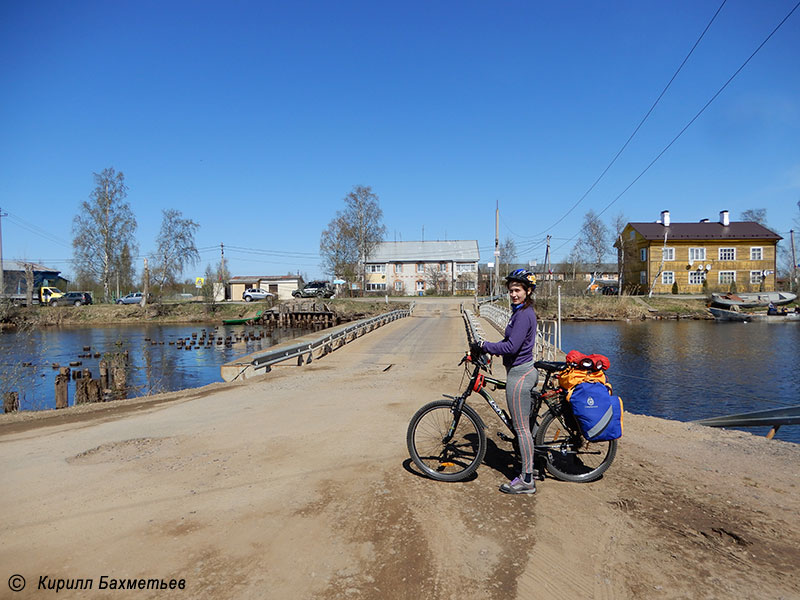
(740, 255)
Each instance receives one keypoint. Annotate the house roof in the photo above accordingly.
(458, 250)
(739, 230)
(19, 265)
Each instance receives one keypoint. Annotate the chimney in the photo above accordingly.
(665, 218)
(704, 220)
(723, 218)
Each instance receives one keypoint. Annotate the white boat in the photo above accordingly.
(752, 299)
(721, 314)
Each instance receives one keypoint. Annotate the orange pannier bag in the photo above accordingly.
(581, 368)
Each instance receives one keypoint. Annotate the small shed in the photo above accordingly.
(280, 285)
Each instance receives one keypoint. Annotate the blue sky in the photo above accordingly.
(255, 119)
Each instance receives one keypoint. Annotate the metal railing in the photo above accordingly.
(304, 351)
(773, 418)
(546, 331)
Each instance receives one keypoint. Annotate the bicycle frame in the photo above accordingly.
(477, 383)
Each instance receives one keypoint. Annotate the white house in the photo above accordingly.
(411, 268)
(281, 286)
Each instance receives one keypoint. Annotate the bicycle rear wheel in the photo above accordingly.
(444, 459)
(569, 456)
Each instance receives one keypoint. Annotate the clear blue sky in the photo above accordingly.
(256, 118)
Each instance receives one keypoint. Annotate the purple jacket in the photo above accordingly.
(520, 338)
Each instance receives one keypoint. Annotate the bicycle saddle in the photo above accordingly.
(550, 366)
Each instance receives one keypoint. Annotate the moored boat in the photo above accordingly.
(752, 299)
(242, 321)
(722, 314)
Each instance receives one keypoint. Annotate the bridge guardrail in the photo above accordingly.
(304, 351)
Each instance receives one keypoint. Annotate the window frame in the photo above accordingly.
(420, 267)
(643, 254)
(730, 249)
(642, 277)
(697, 250)
(760, 252)
(671, 277)
(721, 273)
(668, 254)
(758, 277)
(693, 275)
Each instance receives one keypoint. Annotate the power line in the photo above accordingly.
(696, 116)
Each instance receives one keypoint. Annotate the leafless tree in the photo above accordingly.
(594, 240)
(175, 248)
(437, 278)
(757, 215)
(508, 256)
(618, 224)
(345, 245)
(103, 227)
(28, 283)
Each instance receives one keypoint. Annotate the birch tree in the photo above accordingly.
(175, 247)
(103, 226)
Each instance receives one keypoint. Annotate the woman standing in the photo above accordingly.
(516, 348)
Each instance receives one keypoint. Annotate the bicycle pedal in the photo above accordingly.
(504, 437)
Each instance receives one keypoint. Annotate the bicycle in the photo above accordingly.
(447, 439)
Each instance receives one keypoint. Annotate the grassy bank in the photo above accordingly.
(179, 312)
(613, 308)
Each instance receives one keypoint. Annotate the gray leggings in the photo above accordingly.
(520, 381)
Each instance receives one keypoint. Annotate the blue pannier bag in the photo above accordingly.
(599, 414)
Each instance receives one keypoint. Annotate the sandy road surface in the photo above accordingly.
(298, 486)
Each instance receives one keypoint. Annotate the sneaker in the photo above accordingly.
(518, 486)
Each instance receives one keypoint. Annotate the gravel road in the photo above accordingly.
(298, 485)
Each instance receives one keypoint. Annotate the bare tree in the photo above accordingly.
(28, 282)
(618, 224)
(175, 248)
(576, 258)
(594, 240)
(345, 245)
(508, 256)
(337, 246)
(437, 279)
(103, 227)
(757, 215)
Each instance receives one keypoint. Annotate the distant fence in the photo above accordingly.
(546, 331)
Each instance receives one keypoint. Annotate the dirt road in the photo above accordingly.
(298, 486)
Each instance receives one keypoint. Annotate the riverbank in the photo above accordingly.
(300, 480)
(168, 312)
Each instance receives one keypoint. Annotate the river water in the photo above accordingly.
(686, 370)
(155, 364)
(681, 370)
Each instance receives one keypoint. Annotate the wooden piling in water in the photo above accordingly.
(62, 388)
(104, 374)
(10, 402)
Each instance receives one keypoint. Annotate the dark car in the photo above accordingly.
(609, 290)
(73, 299)
(315, 289)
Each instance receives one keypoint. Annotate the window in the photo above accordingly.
(398, 267)
(466, 284)
(668, 277)
(420, 267)
(398, 286)
(727, 276)
(727, 253)
(697, 253)
(420, 286)
(668, 253)
(443, 267)
(376, 268)
(755, 277)
(376, 287)
(643, 254)
(642, 276)
(756, 253)
(633, 234)
(465, 268)
(697, 277)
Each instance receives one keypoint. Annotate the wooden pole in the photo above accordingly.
(104, 374)
(10, 402)
(62, 388)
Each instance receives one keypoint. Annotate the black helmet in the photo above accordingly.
(522, 276)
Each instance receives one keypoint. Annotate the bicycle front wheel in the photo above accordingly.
(569, 456)
(441, 457)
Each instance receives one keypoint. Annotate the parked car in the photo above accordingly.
(132, 298)
(609, 290)
(251, 294)
(315, 289)
(72, 299)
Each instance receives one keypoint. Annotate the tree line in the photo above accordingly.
(105, 247)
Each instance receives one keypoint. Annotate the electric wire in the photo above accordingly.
(696, 116)
(641, 122)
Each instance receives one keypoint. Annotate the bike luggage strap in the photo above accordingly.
(550, 366)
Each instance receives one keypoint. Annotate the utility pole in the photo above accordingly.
(2, 281)
(222, 261)
(547, 269)
(496, 249)
(794, 262)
